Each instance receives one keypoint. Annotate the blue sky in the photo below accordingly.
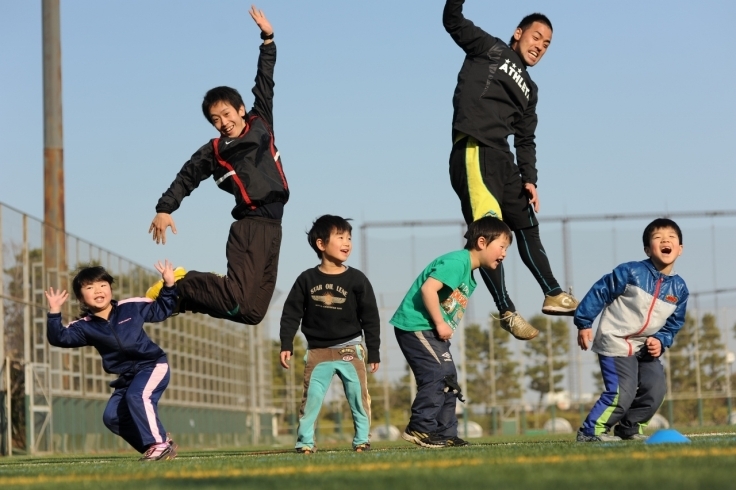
(636, 114)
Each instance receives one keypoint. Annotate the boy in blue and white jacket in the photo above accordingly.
(115, 329)
(642, 307)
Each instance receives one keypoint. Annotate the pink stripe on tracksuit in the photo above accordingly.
(132, 411)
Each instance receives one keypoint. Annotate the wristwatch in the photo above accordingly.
(265, 36)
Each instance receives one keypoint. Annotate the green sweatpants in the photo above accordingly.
(321, 365)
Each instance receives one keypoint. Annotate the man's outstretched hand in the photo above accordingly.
(158, 227)
(261, 20)
(531, 189)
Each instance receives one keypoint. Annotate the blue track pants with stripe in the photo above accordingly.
(132, 412)
(634, 390)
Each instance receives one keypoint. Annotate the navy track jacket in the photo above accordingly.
(121, 340)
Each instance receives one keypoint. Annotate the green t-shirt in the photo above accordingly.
(455, 272)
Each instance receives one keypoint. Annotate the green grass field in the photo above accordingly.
(545, 462)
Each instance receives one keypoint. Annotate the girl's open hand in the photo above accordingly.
(56, 299)
(167, 272)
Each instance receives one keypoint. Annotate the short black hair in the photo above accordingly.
(658, 224)
(530, 19)
(323, 227)
(88, 275)
(227, 95)
(487, 227)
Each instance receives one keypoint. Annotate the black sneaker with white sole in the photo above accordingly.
(456, 442)
(423, 439)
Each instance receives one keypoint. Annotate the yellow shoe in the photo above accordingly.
(155, 290)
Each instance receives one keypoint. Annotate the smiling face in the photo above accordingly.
(531, 43)
(97, 296)
(664, 248)
(491, 254)
(337, 249)
(227, 120)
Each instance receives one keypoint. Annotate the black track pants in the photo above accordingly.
(243, 295)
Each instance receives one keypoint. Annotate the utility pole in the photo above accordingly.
(492, 374)
(53, 171)
(575, 381)
(550, 366)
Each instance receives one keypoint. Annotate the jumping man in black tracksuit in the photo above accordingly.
(495, 97)
(244, 162)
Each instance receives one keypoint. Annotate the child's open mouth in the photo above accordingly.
(666, 250)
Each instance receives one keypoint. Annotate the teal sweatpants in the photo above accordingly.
(321, 365)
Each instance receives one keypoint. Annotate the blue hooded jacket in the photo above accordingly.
(635, 301)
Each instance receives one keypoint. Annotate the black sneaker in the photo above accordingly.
(456, 442)
(361, 448)
(423, 439)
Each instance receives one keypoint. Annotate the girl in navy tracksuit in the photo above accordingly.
(115, 329)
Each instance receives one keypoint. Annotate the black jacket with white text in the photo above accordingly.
(495, 97)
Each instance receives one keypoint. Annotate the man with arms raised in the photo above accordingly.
(495, 97)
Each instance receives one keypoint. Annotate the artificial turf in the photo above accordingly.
(543, 462)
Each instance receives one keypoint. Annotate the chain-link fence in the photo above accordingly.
(227, 388)
(52, 398)
(550, 377)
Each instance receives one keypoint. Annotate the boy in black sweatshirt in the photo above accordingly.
(337, 308)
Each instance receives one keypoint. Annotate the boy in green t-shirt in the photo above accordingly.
(424, 324)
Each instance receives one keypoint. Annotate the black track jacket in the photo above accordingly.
(249, 166)
(495, 96)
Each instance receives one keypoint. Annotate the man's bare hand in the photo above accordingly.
(261, 20)
(373, 367)
(158, 227)
(531, 189)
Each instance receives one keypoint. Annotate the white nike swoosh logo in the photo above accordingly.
(228, 142)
